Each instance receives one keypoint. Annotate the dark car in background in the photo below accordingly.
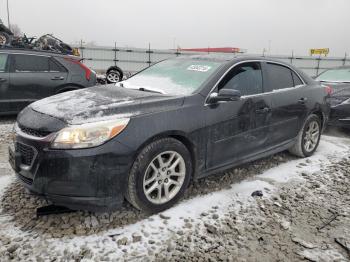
(338, 79)
(28, 75)
(147, 137)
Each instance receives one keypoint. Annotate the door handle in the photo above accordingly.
(2, 80)
(302, 100)
(58, 78)
(263, 110)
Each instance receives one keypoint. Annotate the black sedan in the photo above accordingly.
(338, 79)
(145, 138)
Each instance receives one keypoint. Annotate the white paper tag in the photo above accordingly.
(199, 68)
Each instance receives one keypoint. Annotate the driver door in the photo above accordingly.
(238, 129)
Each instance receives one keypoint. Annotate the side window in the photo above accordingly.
(246, 78)
(296, 79)
(31, 63)
(3, 61)
(279, 76)
(55, 67)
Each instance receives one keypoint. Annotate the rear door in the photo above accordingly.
(34, 77)
(289, 102)
(5, 106)
(238, 129)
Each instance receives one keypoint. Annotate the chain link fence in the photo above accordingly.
(132, 60)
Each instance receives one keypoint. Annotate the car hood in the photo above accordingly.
(340, 92)
(104, 103)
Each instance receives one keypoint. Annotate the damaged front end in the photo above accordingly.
(90, 179)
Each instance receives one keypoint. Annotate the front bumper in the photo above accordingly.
(91, 179)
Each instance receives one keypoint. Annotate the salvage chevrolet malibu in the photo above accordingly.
(145, 138)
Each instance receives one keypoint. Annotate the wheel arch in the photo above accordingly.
(321, 115)
(180, 136)
(68, 87)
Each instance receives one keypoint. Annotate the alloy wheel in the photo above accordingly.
(164, 177)
(113, 77)
(311, 136)
(2, 40)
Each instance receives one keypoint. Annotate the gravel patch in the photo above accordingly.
(294, 217)
(299, 222)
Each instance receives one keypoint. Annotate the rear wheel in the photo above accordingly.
(308, 137)
(159, 175)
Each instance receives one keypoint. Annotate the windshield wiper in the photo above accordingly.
(144, 89)
(150, 90)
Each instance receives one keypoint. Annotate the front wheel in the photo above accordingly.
(308, 137)
(159, 175)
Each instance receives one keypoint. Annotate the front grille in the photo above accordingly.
(33, 132)
(27, 154)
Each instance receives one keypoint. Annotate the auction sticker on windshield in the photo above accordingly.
(199, 68)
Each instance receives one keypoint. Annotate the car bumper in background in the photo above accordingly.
(340, 116)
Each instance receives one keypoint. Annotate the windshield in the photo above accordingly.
(174, 76)
(335, 75)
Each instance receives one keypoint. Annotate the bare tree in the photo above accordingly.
(16, 30)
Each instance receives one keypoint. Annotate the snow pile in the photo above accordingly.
(214, 224)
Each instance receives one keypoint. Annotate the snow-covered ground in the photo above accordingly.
(304, 207)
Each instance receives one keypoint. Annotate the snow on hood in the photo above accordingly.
(103, 103)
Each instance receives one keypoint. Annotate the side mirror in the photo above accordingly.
(224, 95)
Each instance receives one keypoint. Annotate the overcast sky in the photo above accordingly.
(251, 24)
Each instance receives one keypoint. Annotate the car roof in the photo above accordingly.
(11, 50)
(231, 58)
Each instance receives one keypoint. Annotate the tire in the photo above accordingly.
(301, 148)
(4, 38)
(114, 75)
(143, 171)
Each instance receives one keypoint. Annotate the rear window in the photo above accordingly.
(279, 76)
(3, 60)
(174, 76)
(335, 75)
(31, 63)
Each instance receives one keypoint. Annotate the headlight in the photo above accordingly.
(88, 135)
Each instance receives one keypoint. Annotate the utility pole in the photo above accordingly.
(8, 15)
(345, 58)
(82, 49)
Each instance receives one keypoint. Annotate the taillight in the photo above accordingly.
(84, 67)
(328, 89)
